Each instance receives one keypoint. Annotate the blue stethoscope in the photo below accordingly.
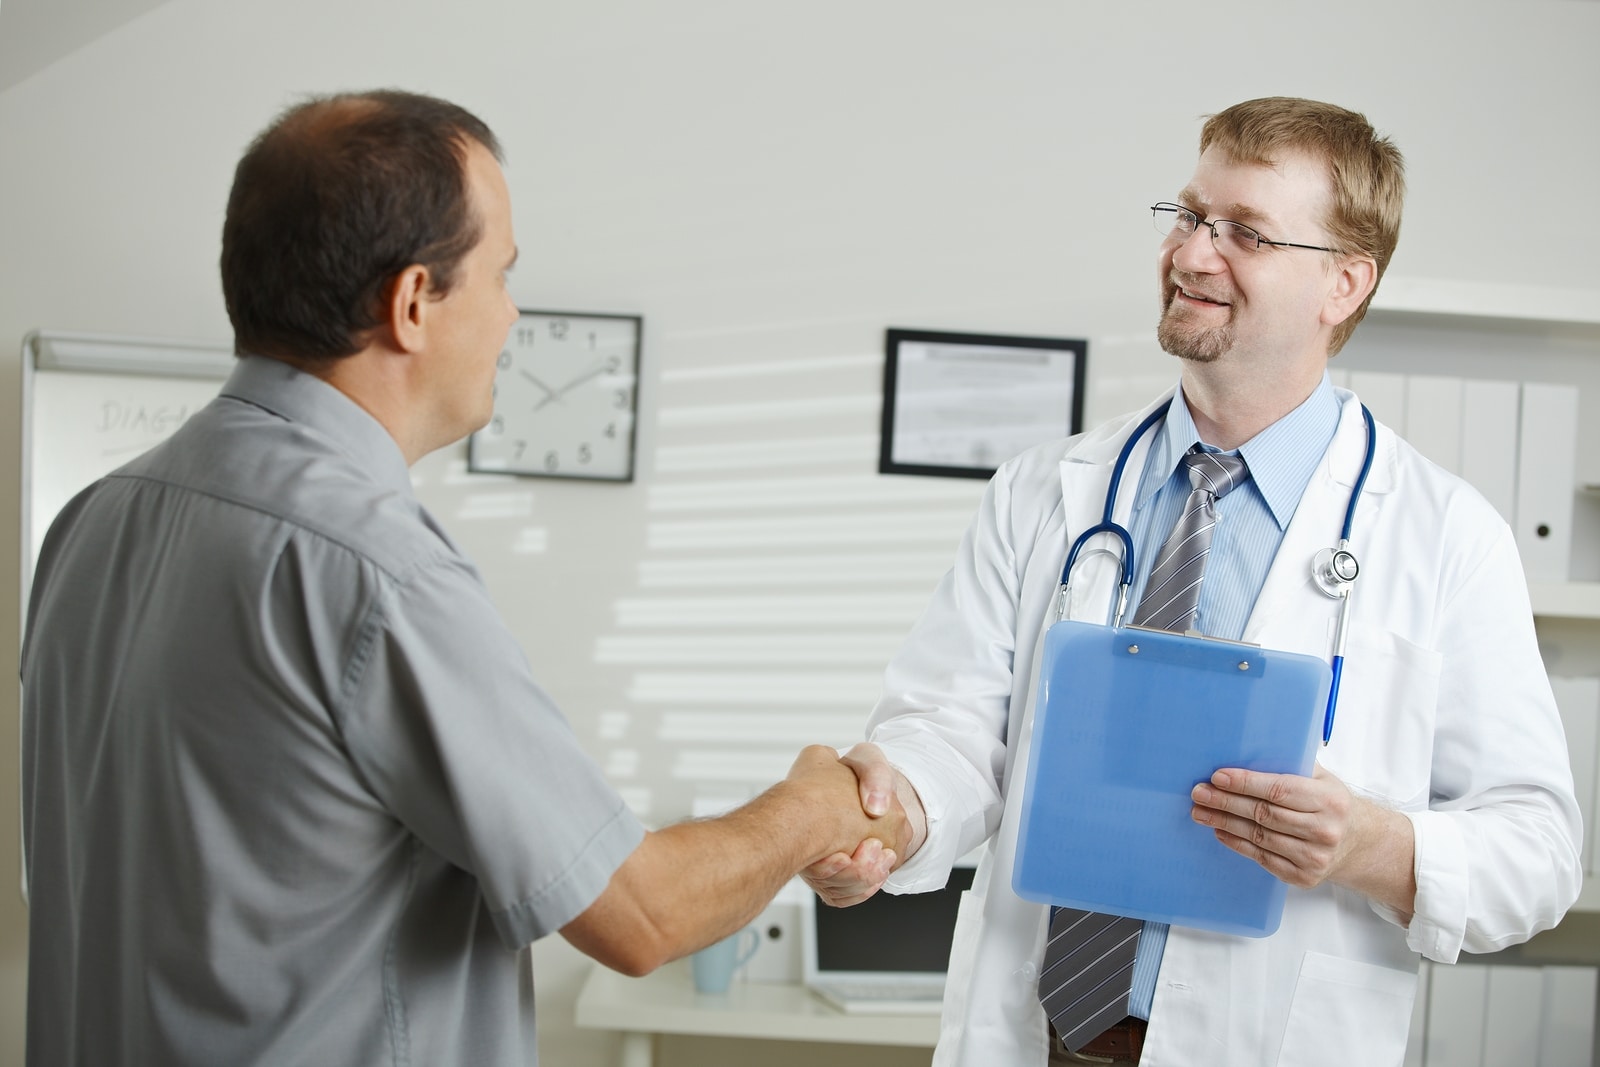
(1333, 569)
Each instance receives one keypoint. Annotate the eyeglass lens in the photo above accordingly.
(1171, 219)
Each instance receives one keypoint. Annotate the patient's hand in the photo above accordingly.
(846, 878)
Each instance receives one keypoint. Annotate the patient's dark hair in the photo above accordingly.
(330, 203)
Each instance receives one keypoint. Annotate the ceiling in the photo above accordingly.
(36, 33)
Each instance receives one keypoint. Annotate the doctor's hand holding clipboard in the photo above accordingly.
(1306, 831)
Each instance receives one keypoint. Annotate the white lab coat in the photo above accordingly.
(1445, 713)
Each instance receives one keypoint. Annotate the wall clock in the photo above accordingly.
(565, 398)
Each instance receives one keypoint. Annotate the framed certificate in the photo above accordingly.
(957, 405)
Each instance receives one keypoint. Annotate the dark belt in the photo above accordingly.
(1123, 1041)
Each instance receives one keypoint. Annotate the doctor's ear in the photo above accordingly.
(405, 311)
(1353, 280)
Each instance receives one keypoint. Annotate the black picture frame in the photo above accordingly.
(993, 425)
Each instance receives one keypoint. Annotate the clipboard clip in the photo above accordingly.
(1192, 648)
(1197, 634)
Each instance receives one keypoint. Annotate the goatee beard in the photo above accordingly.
(1195, 343)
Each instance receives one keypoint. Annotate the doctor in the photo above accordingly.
(1440, 818)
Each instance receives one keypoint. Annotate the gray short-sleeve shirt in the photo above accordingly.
(291, 794)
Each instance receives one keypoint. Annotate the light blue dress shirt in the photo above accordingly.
(1251, 521)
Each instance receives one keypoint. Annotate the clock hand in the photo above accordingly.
(569, 386)
(550, 394)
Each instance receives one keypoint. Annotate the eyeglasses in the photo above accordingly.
(1174, 220)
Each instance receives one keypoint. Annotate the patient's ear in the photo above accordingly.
(407, 307)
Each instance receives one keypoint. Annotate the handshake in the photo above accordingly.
(881, 820)
(841, 823)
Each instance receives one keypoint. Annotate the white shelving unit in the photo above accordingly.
(1566, 319)
(1562, 329)
(1522, 332)
(1479, 300)
(1565, 600)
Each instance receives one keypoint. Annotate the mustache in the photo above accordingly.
(1195, 283)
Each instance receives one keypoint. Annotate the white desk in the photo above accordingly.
(666, 1003)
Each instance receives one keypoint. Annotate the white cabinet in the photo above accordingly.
(1463, 334)
(1466, 331)
(1473, 332)
(1504, 1015)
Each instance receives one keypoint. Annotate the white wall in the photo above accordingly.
(770, 188)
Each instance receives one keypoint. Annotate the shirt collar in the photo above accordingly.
(1281, 458)
(307, 400)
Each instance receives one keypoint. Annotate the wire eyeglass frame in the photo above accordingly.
(1177, 220)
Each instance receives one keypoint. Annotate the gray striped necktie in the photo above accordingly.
(1173, 592)
(1088, 961)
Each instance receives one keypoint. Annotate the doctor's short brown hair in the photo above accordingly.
(330, 204)
(1366, 172)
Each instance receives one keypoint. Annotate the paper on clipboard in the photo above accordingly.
(1126, 723)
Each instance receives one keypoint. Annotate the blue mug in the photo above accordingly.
(715, 965)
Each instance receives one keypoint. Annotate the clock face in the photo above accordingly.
(565, 396)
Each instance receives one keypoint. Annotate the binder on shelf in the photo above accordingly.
(1126, 723)
(1486, 1015)
(1592, 821)
(1385, 394)
(1546, 479)
(1457, 995)
(1567, 1023)
(1489, 441)
(1433, 419)
(1511, 1014)
(1418, 1036)
(1578, 700)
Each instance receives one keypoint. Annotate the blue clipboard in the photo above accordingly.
(1126, 722)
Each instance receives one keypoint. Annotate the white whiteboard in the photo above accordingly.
(90, 404)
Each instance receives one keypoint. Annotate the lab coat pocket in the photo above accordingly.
(1382, 741)
(1347, 1012)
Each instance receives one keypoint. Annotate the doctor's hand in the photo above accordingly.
(1306, 831)
(873, 840)
(845, 878)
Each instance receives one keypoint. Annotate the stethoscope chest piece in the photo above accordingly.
(1334, 569)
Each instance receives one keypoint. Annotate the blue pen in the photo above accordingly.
(1335, 571)
(1338, 658)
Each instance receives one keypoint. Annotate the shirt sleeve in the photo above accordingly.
(1497, 853)
(454, 736)
(946, 700)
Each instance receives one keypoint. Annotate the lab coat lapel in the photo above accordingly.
(1290, 600)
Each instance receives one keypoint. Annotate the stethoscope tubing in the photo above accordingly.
(1339, 588)
(1345, 587)
(1109, 525)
